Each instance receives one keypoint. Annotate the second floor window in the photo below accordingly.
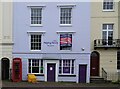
(108, 5)
(65, 41)
(65, 16)
(35, 42)
(36, 16)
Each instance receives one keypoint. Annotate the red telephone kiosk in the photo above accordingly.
(17, 70)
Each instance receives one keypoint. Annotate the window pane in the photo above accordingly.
(110, 26)
(104, 26)
(35, 69)
(66, 69)
(104, 35)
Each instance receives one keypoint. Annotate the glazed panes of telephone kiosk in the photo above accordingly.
(17, 70)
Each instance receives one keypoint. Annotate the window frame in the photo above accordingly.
(38, 66)
(42, 33)
(71, 16)
(107, 30)
(108, 10)
(37, 7)
(40, 43)
(71, 43)
(72, 65)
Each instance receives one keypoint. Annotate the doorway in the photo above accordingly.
(82, 73)
(94, 64)
(5, 68)
(51, 72)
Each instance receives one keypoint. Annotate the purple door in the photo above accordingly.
(51, 72)
(82, 73)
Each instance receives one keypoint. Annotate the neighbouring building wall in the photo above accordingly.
(0, 35)
(108, 61)
(7, 40)
(119, 18)
(108, 57)
(5, 31)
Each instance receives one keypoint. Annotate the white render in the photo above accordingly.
(5, 31)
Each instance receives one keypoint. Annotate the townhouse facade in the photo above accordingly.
(52, 40)
(105, 39)
(5, 39)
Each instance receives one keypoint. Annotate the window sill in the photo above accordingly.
(36, 25)
(35, 51)
(66, 50)
(37, 74)
(65, 25)
(108, 11)
(67, 75)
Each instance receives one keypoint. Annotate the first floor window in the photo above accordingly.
(65, 41)
(107, 34)
(35, 42)
(118, 59)
(35, 66)
(66, 66)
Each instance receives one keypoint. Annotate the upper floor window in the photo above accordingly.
(107, 34)
(66, 41)
(35, 41)
(36, 16)
(108, 5)
(65, 16)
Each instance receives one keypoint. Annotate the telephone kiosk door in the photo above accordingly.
(17, 70)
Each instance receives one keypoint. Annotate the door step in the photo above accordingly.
(97, 79)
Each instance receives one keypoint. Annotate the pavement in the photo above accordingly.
(0, 84)
(59, 85)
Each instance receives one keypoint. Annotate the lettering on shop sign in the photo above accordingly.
(51, 43)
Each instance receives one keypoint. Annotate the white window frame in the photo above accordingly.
(35, 33)
(37, 7)
(31, 66)
(69, 66)
(66, 6)
(108, 10)
(35, 42)
(67, 46)
(107, 30)
(65, 18)
(65, 32)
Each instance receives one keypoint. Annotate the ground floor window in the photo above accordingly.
(35, 66)
(66, 66)
(118, 59)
